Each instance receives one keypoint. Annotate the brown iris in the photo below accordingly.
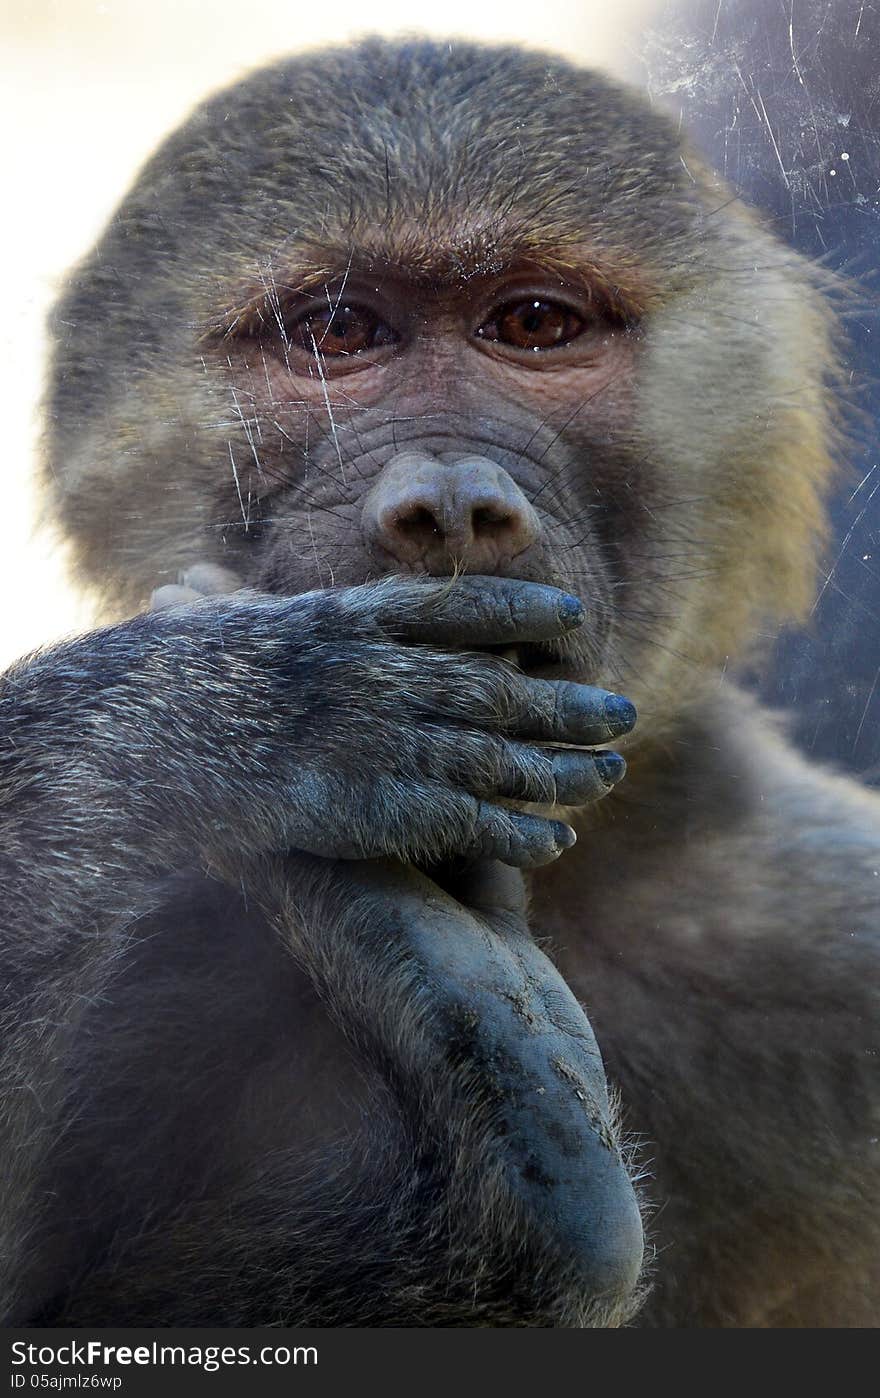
(533, 324)
(338, 330)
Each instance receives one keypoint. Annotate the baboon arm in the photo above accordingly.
(77, 863)
(486, 1185)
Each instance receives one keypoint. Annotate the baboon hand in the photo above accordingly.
(514, 1058)
(371, 720)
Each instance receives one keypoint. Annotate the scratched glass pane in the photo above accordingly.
(784, 98)
(301, 952)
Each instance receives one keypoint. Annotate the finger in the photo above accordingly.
(559, 711)
(567, 778)
(211, 580)
(425, 822)
(476, 611)
(523, 841)
(430, 822)
(172, 595)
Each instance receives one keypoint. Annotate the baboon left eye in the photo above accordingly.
(339, 330)
(533, 324)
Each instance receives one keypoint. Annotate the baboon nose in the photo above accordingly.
(432, 514)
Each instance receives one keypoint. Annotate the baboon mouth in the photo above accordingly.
(533, 659)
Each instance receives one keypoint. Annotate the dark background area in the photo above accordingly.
(783, 96)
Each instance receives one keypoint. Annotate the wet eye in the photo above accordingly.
(339, 330)
(533, 324)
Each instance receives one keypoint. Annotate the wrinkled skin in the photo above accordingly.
(438, 399)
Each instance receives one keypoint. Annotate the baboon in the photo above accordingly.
(424, 412)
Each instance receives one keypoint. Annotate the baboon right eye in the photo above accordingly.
(342, 329)
(533, 324)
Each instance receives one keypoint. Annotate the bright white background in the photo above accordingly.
(86, 91)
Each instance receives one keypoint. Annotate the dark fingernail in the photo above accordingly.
(570, 611)
(620, 714)
(563, 835)
(610, 766)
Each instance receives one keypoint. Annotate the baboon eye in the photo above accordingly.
(533, 324)
(341, 329)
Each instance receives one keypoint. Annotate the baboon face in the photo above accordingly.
(407, 308)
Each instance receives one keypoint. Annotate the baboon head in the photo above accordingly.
(413, 307)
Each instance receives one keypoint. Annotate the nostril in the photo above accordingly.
(417, 520)
(489, 519)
